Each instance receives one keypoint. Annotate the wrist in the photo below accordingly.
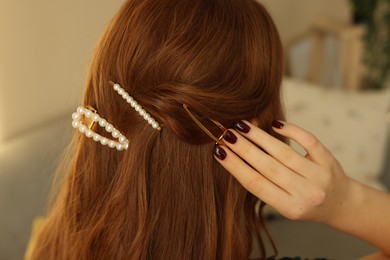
(346, 211)
(364, 214)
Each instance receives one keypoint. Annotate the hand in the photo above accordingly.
(311, 187)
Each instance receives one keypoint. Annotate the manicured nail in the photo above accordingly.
(229, 137)
(242, 127)
(219, 152)
(277, 124)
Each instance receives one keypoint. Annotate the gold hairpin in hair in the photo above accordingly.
(220, 126)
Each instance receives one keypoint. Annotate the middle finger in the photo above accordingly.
(266, 165)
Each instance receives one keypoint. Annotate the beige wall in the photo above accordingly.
(292, 17)
(45, 47)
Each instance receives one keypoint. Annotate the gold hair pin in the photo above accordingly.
(220, 126)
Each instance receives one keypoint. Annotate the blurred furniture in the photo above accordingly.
(352, 125)
(349, 52)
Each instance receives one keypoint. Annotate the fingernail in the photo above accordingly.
(242, 127)
(229, 137)
(277, 124)
(219, 152)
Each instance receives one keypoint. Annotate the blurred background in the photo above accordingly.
(337, 86)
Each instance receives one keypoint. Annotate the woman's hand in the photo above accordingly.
(311, 187)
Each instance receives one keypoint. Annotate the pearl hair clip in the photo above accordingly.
(86, 117)
(137, 107)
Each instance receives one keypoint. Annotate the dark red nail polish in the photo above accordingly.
(277, 124)
(229, 137)
(219, 152)
(242, 127)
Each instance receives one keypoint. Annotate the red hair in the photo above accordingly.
(166, 197)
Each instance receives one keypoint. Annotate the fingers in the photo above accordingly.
(263, 163)
(316, 151)
(277, 149)
(294, 185)
(254, 182)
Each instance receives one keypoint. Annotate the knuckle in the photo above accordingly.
(318, 198)
(312, 141)
(306, 206)
(335, 164)
(326, 177)
(272, 167)
(246, 149)
(330, 162)
(286, 153)
(253, 185)
(329, 178)
(296, 213)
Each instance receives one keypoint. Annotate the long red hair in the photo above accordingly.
(166, 197)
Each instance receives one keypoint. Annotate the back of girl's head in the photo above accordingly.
(166, 197)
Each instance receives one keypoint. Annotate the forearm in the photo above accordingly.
(376, 256)
(313, 187)
(365, 214)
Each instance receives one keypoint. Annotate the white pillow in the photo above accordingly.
(351, 125)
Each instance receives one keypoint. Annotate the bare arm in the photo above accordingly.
(312, 187)
(366, 215)
(376, 256)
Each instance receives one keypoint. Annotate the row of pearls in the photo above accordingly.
(77, 123)
(137, 107)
